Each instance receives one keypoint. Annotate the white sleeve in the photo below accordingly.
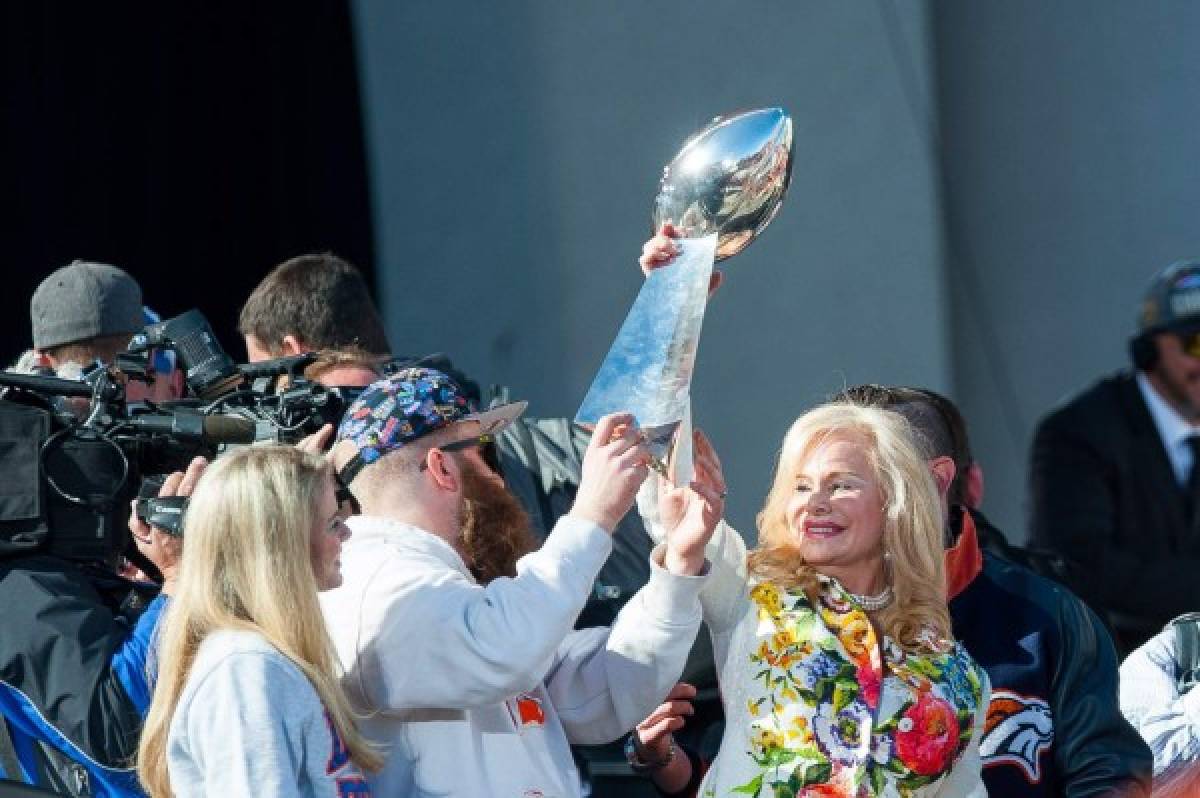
(723, 595)
(1150, 700)
(606, 681)
(966, 778)
(433, 639)
(246, 728)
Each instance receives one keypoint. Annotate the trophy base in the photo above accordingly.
(671, 447)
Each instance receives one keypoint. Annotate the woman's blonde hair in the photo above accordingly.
(247, 565)
(912, 526)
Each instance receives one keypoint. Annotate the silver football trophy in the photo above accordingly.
(721, 190)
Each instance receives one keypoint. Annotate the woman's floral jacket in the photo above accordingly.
(815, 705)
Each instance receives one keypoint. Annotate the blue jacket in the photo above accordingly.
(73, 684)
(1054, 727)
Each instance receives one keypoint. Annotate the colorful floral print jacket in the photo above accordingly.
(815, 705)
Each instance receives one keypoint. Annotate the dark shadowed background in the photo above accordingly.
(192, 144)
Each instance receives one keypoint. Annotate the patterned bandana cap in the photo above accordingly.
(400, 409)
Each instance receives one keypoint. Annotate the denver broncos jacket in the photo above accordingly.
(1054, 727)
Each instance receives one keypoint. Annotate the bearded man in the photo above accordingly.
(456, 636)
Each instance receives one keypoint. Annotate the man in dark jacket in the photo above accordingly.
(1112, 482)
(1054, 727)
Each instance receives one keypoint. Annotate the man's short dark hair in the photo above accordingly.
(322, 300)
(940, 425)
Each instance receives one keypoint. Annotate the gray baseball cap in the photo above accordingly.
(84, 300)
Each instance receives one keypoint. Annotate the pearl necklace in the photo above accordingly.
(880, 601)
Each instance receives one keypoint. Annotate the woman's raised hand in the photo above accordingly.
(691, 513)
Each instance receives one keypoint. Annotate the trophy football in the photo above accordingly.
(721, 190)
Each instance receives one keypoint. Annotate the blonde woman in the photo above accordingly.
(247, 700)
(832, 639)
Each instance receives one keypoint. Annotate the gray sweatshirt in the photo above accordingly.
(250, 723)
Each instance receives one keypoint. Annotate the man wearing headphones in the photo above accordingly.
(1115, 472)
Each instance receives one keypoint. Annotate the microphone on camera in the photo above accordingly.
(210, 429)
(291, 365)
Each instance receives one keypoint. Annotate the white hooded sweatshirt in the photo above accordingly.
(478, 691)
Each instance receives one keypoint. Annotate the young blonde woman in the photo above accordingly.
(832, 639)
(247, 700)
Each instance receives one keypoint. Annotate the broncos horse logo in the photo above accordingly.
(1017, 730)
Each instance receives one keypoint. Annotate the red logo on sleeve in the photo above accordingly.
(529, 710)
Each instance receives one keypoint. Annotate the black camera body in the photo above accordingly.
(69, 480)
(73, 454)
(208, 370)
(300, 409)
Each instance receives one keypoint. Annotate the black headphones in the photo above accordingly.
(1143, 350)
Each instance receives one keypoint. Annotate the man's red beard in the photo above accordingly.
(495, 530)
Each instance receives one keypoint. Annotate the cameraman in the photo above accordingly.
(77, 635)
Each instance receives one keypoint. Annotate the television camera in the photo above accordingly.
(74, 453)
